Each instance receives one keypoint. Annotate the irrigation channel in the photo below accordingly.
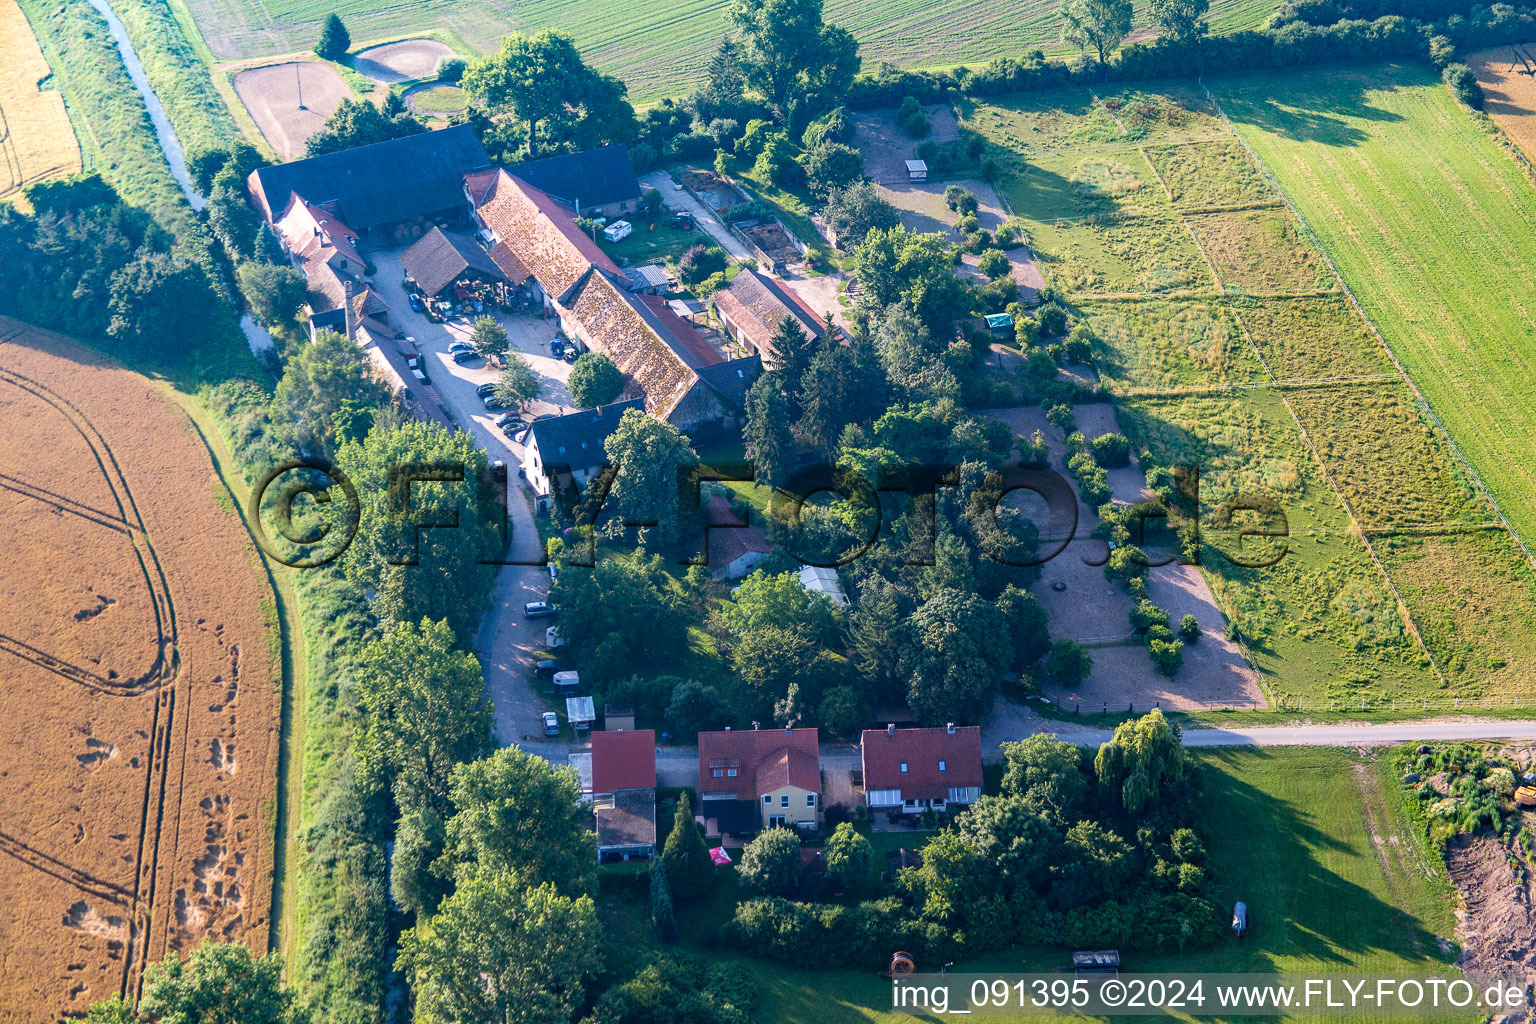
(165, 134)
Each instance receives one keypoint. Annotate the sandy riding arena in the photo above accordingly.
(290, 102)
(1508, 77)
(139, 693)
(402, 61)
(36, 140)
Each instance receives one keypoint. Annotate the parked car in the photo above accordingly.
(498, 469)
(485, 389)
(571, 355)
(493, 402)
(509, 421)
(460, 346)
(544, 416)
(557, 347)
(520, 436)
(416, 303)
(552, 638)
(551, 724)
(548, 666)
(463, 356)
(539, 610)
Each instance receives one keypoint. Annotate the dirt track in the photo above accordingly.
(139, 705)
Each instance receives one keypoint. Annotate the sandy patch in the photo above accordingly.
(402, 61)
(289, 102)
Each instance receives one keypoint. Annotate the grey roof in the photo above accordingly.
(630, 822)
(579, 709)
(733, 816)
(439, 258)
(652, 275)
(595, 177)
(735, 378)
(382, 183)
(577, 437)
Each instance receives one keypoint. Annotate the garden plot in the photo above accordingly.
(1200, 175)
(141, 691)
(1312, 338)
(407, 60)
(1260, 252)
(1385, 459)
(1170, 344)
(1473, 598)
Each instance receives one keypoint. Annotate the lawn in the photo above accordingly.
(660, 49)
(652, 244)
(1428, 221)
(1294, 842)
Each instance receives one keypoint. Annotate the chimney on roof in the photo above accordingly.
(949, 727)
(890, 728)
(789, 730)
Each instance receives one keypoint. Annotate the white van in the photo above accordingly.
(567, 680)
(552, 638)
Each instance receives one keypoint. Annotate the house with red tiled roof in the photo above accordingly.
(775, 773)
(622, 776)
(752, 307)
(535, 241)
(324, 250)
(917, 770)
(623, 759)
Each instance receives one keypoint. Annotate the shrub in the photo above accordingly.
(1463, 85)
(1053, 320)
(832, 165)
(771, 862)
(1167, 655)
(1111, 450)
(1189, 629)
(911, 118)
(994, 263)
(700, 262)
(663, 917)
(959, 199)
(1069, 663)
(1060, 416)
(1146, 615)
(1035, 450)
(450, 68)
(968, 224)
(833, 126)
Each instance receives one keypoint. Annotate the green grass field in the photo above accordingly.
(659, 48)
(1295, 843)
(1429, 222)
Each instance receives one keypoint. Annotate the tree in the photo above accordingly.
(832, 165)
(769, 443)
(776, 164)
(219, 983)
(955, 659)
(994, 263)
(876, 631)
(651, 459)
(792, 348)
(542, 84)
(518, 383)
(1101, 24)
(790, 57)
(424, 708)
(595, 380)
(1027, 624)
(1167, 655)
(419, 838)
(695, 708)
(1069, 663)
(1012, 837)
(334, 41)
(843, 712)
(912, 118)
(359, 123)
(502, 949)
(160, 306)
(514, 812)
(451, 68)
(1180, 20)
(663, 917)
(916, 270)
(274, 293)
(488, 336)
(686, 857)
(856, 209)
(843, 384)
(1141, 762)
(700, 262)
(1097, 864)
(770, 863)
(1044, 772)
(779, 600)
(850, 858)
(323, 378)
(1463, 85)
(621, 613)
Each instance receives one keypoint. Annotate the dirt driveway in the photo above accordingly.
(1094, 611)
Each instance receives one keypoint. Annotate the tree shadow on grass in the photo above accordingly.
(1317, 107)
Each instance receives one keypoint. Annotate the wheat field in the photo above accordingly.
(36, 140)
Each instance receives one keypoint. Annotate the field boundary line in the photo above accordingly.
(1273, 384)
(1380, 339)
(1221, 289)
(1257, 204)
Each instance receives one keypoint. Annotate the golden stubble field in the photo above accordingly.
(36, 140)
(139, 689)
(1508, 77)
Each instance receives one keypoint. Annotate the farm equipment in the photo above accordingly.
(1525, 796)
(902, 964)
(1239, 918)
(1090, 963)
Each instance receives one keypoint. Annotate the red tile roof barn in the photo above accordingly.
(774, 756)
(623, 760)
(539, 233)
(757, 304)
(922, 750)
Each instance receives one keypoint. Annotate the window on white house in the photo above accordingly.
(767, 798)
(810, 799)
(903, 767)
(784, 800)
(943, 767)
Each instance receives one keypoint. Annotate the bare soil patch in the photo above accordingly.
(140, 709)
(402, 61)
(1498, 924)
(773, 240)
(886, 148)
(713, 191)
(289, 102)
(1508, 77)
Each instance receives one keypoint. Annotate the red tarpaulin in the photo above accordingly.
(719, 856)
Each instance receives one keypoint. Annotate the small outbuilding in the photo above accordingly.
(581, 713)
(441, 262)
(917, 170)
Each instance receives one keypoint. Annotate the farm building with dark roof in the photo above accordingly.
(376, 188)
(595, 183)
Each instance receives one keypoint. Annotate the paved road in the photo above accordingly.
(678, 197)
(1362, 735)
